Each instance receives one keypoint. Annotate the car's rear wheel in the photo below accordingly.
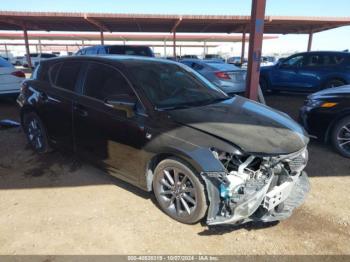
(179, 191)
(334, 83)
(35, 132)
(341, 136)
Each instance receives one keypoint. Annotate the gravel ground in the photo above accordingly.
(57, 204)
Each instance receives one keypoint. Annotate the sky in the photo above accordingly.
(336, 39)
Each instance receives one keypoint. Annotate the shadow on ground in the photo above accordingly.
(226, 229)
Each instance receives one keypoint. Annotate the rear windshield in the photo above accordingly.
(130, 50)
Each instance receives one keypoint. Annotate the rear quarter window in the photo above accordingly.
(67, 75)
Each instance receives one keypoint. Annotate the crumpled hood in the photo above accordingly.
(253, 127)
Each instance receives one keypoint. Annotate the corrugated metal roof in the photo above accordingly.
(57, 21)
(128, 37)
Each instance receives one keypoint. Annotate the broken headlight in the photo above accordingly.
(297, 162)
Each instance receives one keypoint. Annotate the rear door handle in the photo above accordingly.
(80, 110)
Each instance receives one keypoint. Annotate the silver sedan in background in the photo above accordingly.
(227, 77)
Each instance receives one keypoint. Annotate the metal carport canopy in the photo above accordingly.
(53, 21)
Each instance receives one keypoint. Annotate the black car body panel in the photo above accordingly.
(260, 129)
(317, 120)
(128, 144)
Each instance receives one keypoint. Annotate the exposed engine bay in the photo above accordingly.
(256, 188)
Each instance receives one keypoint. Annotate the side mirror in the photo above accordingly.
(122, 103)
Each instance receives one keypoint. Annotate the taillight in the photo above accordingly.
(222, 75)
(18, 74)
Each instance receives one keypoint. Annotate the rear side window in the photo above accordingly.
(315, 60)
(334, 59)
(68, 75)
(103, 81)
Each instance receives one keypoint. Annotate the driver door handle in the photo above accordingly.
(80, 110)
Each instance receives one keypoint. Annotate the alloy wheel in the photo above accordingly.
(343, 138)
(35, 134)
(177, 192)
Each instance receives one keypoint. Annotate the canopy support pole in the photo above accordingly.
(26, 43)
(255, 46)
(102, 38)
(309, 44)
(243, 46)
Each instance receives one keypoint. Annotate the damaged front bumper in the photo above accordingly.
(270, 203)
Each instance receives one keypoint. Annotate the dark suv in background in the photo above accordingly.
(307, 72)
(117, 50)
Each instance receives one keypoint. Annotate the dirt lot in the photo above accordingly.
(57, 204)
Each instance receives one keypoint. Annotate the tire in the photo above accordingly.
(333, 83)
(36, 133)
(340, 136)
(185, 203)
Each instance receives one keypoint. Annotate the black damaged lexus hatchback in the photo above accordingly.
(162, 127)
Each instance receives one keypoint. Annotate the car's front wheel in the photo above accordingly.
(341, 136)
(35, 132)
(179, 191)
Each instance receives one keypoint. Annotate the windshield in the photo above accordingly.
(171, 86)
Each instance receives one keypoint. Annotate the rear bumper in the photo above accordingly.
(232, 87)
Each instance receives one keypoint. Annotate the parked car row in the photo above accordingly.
(203, 151)
(324, 114)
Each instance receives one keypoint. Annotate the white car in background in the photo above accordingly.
(36, 58)
(10, 78)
